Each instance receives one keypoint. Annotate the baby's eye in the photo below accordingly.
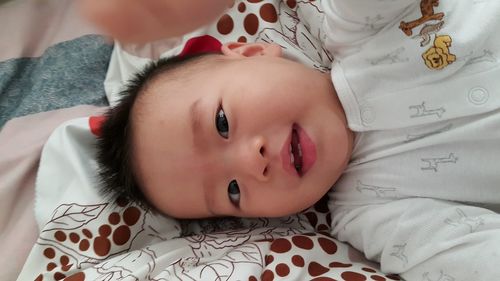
(221, 123)
(233, 190)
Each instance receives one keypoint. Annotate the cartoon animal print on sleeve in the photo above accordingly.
(426, 32)
(427, 10)
(439, 56)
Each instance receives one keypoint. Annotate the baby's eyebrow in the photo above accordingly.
(195, 116)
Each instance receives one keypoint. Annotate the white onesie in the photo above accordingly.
(420, 84)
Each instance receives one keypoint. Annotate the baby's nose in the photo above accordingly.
(254, 160)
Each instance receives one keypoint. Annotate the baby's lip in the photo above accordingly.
(308, 150)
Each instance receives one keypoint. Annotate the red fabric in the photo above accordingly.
(201, 44)
(95, 123)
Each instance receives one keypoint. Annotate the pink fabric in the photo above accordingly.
(29, 27)
(21, 142)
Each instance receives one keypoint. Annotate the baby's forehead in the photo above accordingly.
(207, 75)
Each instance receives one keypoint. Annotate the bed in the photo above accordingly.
(57, 76)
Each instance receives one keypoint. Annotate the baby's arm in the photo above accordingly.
(425, 239)
(141, 21)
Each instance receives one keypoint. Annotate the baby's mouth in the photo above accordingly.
(296, 151)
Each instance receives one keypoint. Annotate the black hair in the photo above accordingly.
(116, 175)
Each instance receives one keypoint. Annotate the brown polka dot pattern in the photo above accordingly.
(225, 24)
(114, 218)
(59, 276)
(64, 260)
(87, 233)
(242, 7)
(80, 276)
(251, 24)
(319, 216)
(316, 269)
(339, 264)
(49, 253)
(298, 261)
(322, 227)
(93, 240)
(268, 13)
(281, 245)
(84, 245)
(291, 4)
(60, 236)
(131, 215)
(367, 269)
(353, 276)
(102, 246)
(51, 266)
(66, 267)
(327, 245)
(393, 277)
(378, 278)
(252, 278)
(56, 266)
(244, 21)
(323, 279)
(289, 255)
(302, 242)
(282, 270)
(267, 275)
(269, 259)
(121, 235)
(105, 230)
(73, 237)
(312, 218)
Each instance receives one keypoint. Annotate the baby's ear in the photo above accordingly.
(236, 49)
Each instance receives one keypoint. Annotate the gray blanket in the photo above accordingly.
(67, 74)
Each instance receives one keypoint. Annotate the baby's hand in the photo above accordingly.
(139, 21)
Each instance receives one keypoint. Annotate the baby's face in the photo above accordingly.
(257, 136)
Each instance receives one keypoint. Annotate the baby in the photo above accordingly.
(248, 133)
(229, 134)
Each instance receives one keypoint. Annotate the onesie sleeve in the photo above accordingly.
(403, 63)
(424, 239)
(351, 21)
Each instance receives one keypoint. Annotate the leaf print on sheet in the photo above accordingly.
(235, 261)
(124, 267)
(238, 259)
(73, 216)
(248, 253)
